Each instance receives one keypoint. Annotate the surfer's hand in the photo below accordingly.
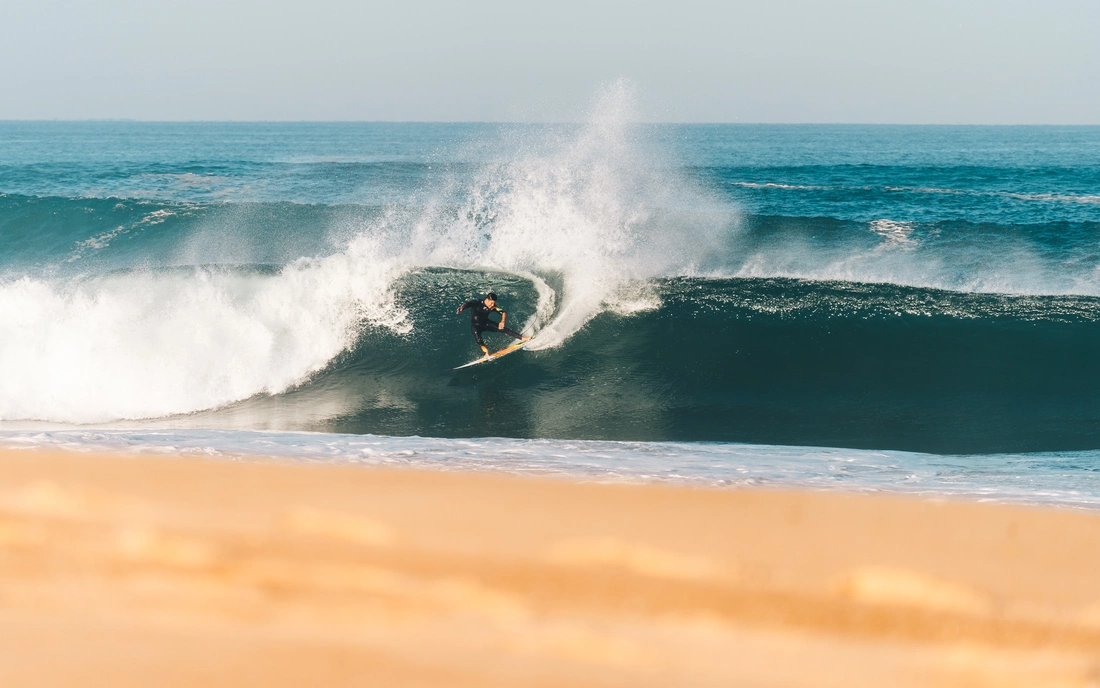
(459, 309)
(500, 326)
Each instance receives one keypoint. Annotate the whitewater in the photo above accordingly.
(870, 308)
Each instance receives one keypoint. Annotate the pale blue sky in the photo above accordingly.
(982, 61)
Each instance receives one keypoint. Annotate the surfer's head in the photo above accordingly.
(490, 299)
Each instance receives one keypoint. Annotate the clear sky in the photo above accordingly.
(932, 61)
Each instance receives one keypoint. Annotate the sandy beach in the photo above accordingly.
(180, 571)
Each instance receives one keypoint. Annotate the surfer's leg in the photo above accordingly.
(477, 337)
(511, 333)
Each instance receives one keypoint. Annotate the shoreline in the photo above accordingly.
(138, 570)
(1045, 479)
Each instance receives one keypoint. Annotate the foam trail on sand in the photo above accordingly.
(997, 477)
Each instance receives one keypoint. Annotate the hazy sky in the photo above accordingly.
(933, 61)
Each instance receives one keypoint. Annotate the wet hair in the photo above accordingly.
(491, 296)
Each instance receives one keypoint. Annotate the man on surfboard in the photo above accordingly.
(480, 322)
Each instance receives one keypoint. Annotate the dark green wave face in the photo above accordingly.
(772, 361)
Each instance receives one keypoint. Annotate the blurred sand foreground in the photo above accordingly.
(186, 572)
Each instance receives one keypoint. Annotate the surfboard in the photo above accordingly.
(494, 356)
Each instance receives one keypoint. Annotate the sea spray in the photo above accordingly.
(956, 256)
(597, 208)
(143, 344)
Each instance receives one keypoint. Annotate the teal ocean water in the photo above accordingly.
(866, 307)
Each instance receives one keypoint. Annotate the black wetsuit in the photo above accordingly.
(480, 322)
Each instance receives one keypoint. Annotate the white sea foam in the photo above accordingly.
(777, 185)
(906, 254)
(146, 344)
(1010, 269)
(596, 207)
(104, 239)
(896, 234)
(1057, 198)
(1048, 478)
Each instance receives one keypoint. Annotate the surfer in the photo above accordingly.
(480, 322)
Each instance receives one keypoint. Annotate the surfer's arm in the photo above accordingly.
(468, 304)
(503, 317)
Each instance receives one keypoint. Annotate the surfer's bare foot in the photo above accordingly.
(526, 339)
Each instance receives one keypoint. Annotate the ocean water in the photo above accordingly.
(863, 307)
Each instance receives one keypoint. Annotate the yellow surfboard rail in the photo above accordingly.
(495, 355)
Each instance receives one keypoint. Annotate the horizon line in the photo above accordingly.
(130, 120)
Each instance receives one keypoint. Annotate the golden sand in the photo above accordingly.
(170, 571)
